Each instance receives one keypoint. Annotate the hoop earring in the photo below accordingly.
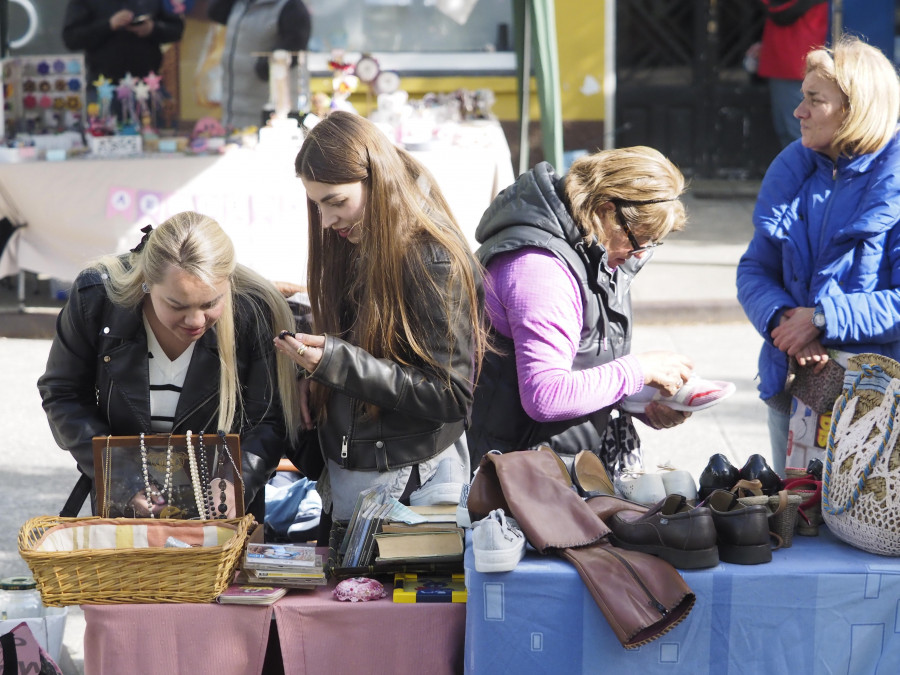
(145, 287)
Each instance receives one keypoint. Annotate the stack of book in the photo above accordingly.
(382, 531)
(285, 565)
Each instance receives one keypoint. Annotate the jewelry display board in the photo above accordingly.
(191, 476)
(43, 94)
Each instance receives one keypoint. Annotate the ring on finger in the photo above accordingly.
(301, 349)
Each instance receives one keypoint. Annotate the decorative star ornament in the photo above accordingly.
(152, 80)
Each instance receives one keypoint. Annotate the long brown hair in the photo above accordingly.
(363, 292)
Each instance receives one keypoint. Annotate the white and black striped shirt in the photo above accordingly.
(166, 381)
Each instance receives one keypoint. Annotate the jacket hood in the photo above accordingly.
(534, 200)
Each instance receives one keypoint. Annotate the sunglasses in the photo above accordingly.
(636, 247)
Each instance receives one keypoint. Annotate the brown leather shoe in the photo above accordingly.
(590, 476)
(743, 531)
(683, 536)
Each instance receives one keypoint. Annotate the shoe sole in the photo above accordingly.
(745, 555)
(638, 408)
(498, 561)
(443, 493)
(683, 560)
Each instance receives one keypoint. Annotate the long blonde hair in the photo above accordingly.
(370, 281)
(645, 186)
(197, 244)
(871, 91)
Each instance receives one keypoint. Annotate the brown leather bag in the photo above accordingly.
(641, 596)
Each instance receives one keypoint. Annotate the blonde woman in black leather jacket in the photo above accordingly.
(183, 285)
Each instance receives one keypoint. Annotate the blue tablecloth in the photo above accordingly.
(820, 606)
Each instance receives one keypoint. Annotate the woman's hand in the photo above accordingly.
(303, 349)
(121, 19)
(795, 330)
(813, 354)
(660, 416)
(147, 507)
(288, 288)
(666, 371)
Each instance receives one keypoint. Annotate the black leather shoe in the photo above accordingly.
(756, 468)
(683, 536)
(719, 474)
(743, 531)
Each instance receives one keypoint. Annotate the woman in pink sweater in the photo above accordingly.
(560, 255)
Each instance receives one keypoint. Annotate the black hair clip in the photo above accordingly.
(140, 247)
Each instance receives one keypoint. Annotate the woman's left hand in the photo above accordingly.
(660, 416)
(303, 349)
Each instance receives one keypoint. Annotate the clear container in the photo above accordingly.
(20, 599)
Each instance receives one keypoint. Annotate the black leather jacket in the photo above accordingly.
(97, 383)
(421, 414)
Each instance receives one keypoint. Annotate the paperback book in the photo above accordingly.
(269, 556)
(244, 594)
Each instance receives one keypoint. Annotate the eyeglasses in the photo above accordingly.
(620, 220)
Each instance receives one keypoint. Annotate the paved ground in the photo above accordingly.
(684, 300)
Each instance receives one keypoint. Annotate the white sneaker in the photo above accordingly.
(462, 509)
(498, 543)
(443, 487)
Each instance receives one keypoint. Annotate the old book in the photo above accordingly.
(444, 544)
(395, 526)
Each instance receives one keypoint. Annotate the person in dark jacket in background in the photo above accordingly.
(252, 27)
(397, 330)
(172, 338)
(120, 36)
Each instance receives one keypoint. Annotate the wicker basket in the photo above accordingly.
(782, 513)
(148, 573)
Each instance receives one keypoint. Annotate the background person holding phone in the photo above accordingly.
(120, 36)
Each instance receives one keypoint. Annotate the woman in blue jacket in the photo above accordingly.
(823, 268)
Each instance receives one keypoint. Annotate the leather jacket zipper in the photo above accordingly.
(653, 601)
(193, 410)
(346, 438)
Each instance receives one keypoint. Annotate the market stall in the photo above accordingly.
(317, 635)
(819, 606)
(78, 209)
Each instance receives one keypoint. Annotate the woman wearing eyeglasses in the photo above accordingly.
(560, 255)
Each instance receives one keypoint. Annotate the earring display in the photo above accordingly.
(62, 81)
(191, 476)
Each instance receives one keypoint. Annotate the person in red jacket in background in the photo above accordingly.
(792, 28)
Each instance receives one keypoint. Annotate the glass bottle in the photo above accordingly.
(20, 598)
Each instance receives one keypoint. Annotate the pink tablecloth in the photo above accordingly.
(167, 638)
(318, 635)
(321, 635)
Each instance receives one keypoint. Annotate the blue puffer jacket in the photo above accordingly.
(826, 235)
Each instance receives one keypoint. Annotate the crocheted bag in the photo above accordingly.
(861, 480)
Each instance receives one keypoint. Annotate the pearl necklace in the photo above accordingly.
(148, 491)
(195, 475)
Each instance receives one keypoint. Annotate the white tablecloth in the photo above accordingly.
(77, 210)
